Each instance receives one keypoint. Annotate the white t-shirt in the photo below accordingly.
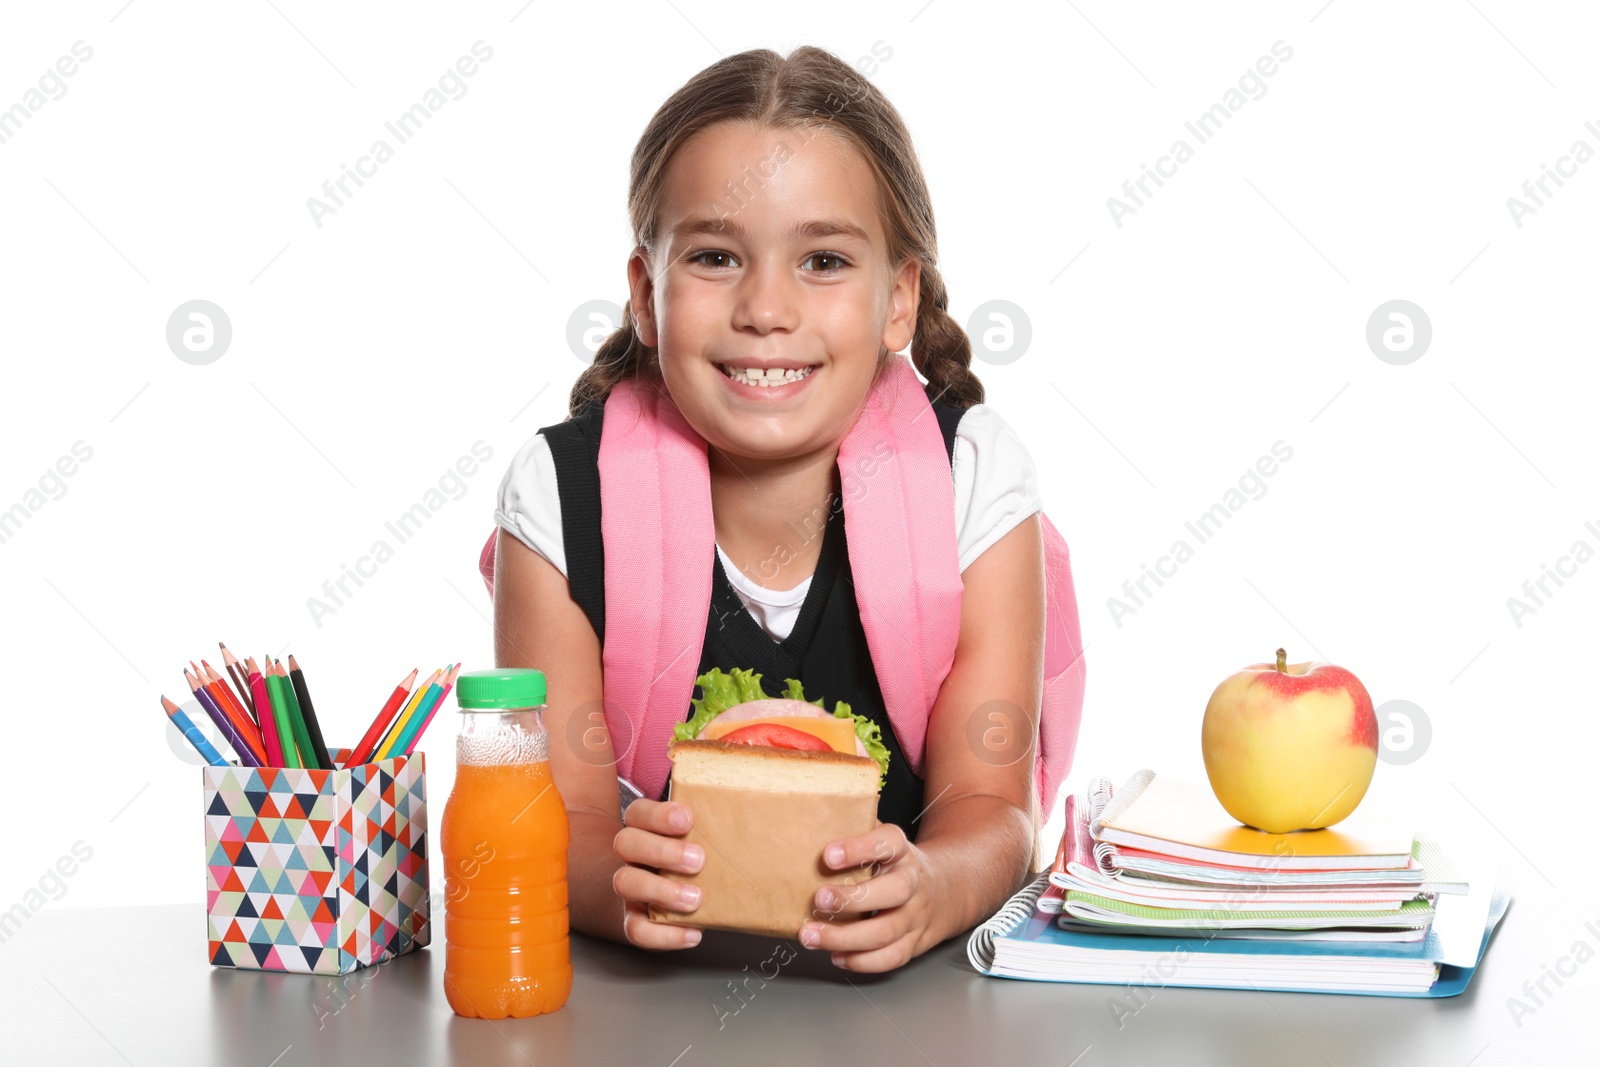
(996, 488)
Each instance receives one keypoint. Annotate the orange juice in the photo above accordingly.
(504, 839)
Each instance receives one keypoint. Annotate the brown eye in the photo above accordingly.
(700, 257)
(838, 262)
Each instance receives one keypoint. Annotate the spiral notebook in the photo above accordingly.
(1021, 941)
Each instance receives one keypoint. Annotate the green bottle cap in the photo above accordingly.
(503, 687)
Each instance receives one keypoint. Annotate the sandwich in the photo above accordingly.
(771, 781)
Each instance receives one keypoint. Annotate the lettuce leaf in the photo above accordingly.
(722, 691)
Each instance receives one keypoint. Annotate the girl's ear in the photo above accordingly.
(642, 296)
(904, 299)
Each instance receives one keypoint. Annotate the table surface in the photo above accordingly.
(131, 985)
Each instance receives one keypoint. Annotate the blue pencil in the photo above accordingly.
(192, 734)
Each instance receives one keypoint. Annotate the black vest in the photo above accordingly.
(827, 649)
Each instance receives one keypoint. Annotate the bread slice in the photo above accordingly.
(772, 770)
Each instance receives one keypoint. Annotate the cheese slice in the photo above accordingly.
(840, 734)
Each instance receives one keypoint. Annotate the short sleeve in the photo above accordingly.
(995, 481)
(529, 504)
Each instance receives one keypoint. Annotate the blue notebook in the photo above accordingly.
(1021, 941)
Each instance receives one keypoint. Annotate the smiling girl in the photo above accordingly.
(785, 257)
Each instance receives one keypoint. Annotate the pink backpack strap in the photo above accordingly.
(1061, 711)
(486, 559)
(656, 525)
(899, 508)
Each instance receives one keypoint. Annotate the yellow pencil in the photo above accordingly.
(403, 717)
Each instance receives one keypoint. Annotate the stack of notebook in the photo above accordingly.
(1154, 883)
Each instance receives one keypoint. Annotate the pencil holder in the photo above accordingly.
(316, 871)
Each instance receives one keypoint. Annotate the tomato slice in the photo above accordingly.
(776, 735)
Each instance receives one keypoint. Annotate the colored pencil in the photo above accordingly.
(269, 724)
(297, 718)
(240, 679)
(247, 758)
(298, 678)
(242, 722)
(405, 716)
(192, 734)
(369, 740)
(430, 700)
(409, 741)
(223, 691)
(280, 715)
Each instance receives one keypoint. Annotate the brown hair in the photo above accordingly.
(811, 88)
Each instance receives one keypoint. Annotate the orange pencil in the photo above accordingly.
(241, 719)
(225, 691)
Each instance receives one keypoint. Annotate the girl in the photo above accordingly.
(785, 254)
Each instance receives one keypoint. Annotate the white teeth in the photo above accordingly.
(772, 376)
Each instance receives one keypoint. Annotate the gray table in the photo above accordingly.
(131, 985)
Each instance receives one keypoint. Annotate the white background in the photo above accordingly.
(430, 312)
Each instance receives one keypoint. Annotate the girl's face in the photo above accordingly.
(771, 254)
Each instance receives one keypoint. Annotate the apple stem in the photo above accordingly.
(1283, 661)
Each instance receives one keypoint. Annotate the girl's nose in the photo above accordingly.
(766, 300)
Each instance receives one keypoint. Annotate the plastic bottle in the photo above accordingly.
(504, 838)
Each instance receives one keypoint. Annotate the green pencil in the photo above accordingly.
(280, 717)
(297, 719)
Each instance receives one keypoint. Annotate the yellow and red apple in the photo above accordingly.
(1290, 746)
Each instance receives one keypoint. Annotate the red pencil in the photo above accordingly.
(269, 727)
(241, 719)
(375, 732)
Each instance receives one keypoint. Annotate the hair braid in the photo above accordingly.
(941, 349)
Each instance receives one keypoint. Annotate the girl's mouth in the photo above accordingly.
(768, 379)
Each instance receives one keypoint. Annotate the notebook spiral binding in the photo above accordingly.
(980, 946)
(1103, 808)
(1098, 798)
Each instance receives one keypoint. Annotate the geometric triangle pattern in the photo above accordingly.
(316, 871)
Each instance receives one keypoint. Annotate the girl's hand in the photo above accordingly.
(650, 838)
(900, 890)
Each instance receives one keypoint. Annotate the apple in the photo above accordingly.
(1290, 746)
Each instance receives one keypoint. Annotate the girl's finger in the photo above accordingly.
(637, 885)
(889, 890)
(648, 849)
(861, 935)
(887, 958)
(881, 846)
(640, 931)
(659, 817)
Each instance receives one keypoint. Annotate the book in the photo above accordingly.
(1173, 817)
(1023, 941)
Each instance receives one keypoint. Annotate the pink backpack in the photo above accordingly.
(656, 525)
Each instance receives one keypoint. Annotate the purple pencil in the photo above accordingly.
(225, 724)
